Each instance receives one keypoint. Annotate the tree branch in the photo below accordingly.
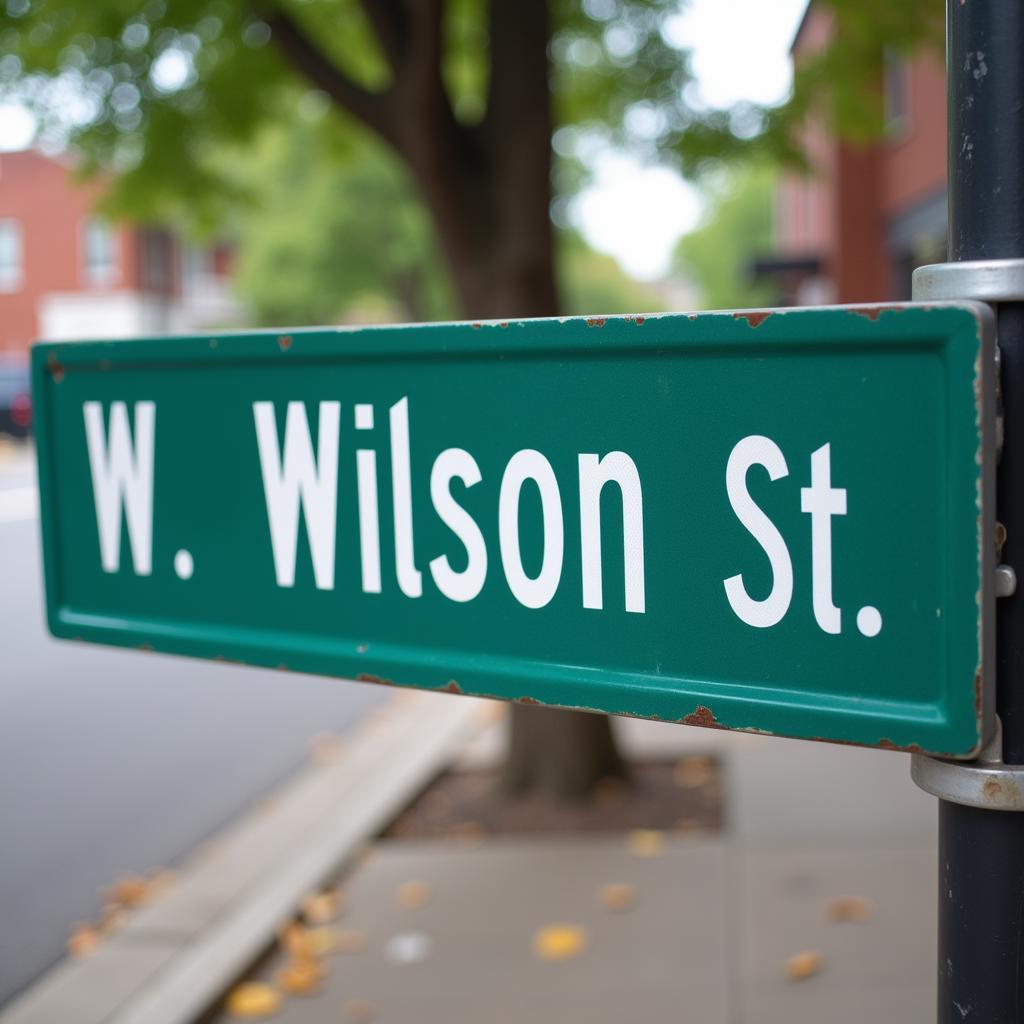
(391, 27)
(373, 109)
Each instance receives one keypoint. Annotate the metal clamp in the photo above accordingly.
(986, 782)
(984, 280)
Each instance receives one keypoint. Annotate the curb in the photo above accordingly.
(171, 961)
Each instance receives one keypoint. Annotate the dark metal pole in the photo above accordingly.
(981, 852)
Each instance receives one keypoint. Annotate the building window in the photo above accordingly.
(11, 255)
(99, 252)
(897, 94)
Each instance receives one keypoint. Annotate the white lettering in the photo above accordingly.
(530, 465)
(464, 585)
(594, 474)
(300, 477)
(122, 478)
(759, 451)
(410, 579)
(822, 501)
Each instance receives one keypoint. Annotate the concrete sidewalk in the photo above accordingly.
(714, 919)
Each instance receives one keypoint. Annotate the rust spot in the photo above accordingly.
(526, 700)
(873, 312)
(504, 323)
(595, 321)
(145, 647)
(282, 667)
(451, 687)
(284, 342)
(755, 319)
(702, 716)
(366, 677)
(691, 316)
(56, 370)
(477, 326)
(991, 789)
(638, 320)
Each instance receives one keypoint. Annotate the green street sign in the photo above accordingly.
(779, 522)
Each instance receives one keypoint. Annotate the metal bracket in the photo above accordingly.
(986, 782)
(989, 281)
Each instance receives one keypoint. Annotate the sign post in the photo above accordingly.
(981, 844)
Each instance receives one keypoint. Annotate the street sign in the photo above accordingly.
(779, 522)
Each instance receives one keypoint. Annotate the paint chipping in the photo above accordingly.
(526, 700)
(366, 677)
(702, 716)
(595, 321)
(451, 687)
(755, 319)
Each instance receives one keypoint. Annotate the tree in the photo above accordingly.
(736, 226)
(466, 92)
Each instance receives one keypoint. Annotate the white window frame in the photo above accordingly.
(99, 276)
(12, 280)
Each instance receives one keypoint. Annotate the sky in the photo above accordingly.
(637, 214)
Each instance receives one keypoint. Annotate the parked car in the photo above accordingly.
(15, 398)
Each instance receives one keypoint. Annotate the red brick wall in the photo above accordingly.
(42, 195)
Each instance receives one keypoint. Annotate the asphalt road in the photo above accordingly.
(114, 761)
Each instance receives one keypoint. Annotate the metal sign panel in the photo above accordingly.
(777, 521)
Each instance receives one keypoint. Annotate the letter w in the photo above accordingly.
(122, 478)
(300, 476)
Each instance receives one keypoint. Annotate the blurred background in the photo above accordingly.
(194, 166)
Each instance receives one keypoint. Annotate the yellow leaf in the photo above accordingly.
(646, 842)
(83, 940)
(850, 908)
(302, 976)
(803, 965)
(252, 1000)
(321, 907)
(560, 941)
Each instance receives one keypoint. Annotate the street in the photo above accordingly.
(116, 762)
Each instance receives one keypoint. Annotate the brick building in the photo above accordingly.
(67, 273)
(854, 229)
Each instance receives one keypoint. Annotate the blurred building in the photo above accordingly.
(855, 228)
(66, 273)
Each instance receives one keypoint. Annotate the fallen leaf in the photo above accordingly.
(618, 896)
(411, 895)
(359, 1011)
(693, 772)
(302, 975)
(127, 891)
(849, 908)
(324, 906)
(83, 940)
(803, 965)
(252, 1000)
(559, 941)
(646, 842)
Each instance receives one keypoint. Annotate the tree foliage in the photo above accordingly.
(157, 89)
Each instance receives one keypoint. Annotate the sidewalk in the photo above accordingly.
(713, 919)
